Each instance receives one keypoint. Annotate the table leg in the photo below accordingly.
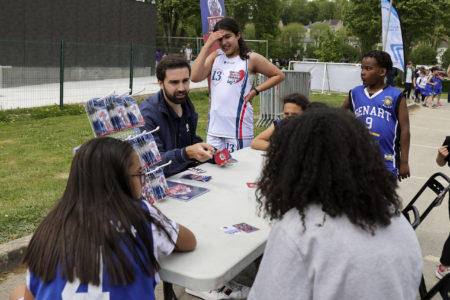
(168, 291)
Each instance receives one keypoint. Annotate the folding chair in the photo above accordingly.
(413, 215)
(443, 287)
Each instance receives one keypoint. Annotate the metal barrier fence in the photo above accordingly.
(271, 106)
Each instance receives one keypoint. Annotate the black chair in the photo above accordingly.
(443, 287)
(413, 215)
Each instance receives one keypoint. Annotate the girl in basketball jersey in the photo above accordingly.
(232, 69)
(101, 241)
(383, 110)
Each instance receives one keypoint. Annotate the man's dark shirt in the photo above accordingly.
(174, 134)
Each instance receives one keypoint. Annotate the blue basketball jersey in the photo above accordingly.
(61, 289)
(429, 86)
(379, 113)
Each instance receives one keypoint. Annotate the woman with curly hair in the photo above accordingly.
(340, 233)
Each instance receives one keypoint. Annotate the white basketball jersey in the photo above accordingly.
(229, 115)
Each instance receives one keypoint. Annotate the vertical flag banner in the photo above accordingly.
(392, 36)
(212, 12)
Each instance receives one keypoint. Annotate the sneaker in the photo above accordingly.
(439, 104)
(231, 290)
(440, 272)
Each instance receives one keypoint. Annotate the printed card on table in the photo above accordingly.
(183, 191)
(238, 228)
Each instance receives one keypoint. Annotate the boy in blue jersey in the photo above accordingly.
(383, 110)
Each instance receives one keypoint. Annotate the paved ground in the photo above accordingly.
(428, 130)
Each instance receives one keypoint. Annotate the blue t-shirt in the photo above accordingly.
(141, 288)
(379, 113)
(429, 86)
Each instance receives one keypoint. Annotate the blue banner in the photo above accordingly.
(212, 12)
(392, 36)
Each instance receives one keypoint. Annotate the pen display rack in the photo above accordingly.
(120, 113)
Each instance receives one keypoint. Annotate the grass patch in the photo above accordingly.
(36, 146)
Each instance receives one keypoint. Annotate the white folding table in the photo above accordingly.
(219, 257)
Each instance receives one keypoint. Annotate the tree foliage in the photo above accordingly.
(418, 20)
(318, 29)
(174, 16)
(423, 55)
(240, 10)
(293, 12)
(363, 19)
(291, 39)
(266, 17)
(421, 20)
(305, 12)
(446, 59)
(330, 47)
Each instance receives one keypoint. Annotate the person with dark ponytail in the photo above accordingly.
(101, 241)
(338, 230)
(232, 69)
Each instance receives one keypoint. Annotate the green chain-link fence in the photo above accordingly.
(36, 73)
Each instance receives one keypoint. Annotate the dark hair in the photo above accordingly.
(326, 156)
(317, 105)
(298, 99)
(231, 25)
(433, 69)
(383, 59)
(94, 220)
(169, 62)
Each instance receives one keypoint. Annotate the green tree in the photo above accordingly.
(240, 10)
(418, 20)
(310, 51)
(326, 10)
(317, 30)
(178, 18)
(249, 32)
(353, 54)
(312, 11)
(423, 55)
(293, 11)
(363, 20)
(291, 38)
(339, 10)
(266, 16)
(330, 47)
(446, 59)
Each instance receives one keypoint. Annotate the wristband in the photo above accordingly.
(256, 91)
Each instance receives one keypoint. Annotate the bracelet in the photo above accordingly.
(256, 91)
